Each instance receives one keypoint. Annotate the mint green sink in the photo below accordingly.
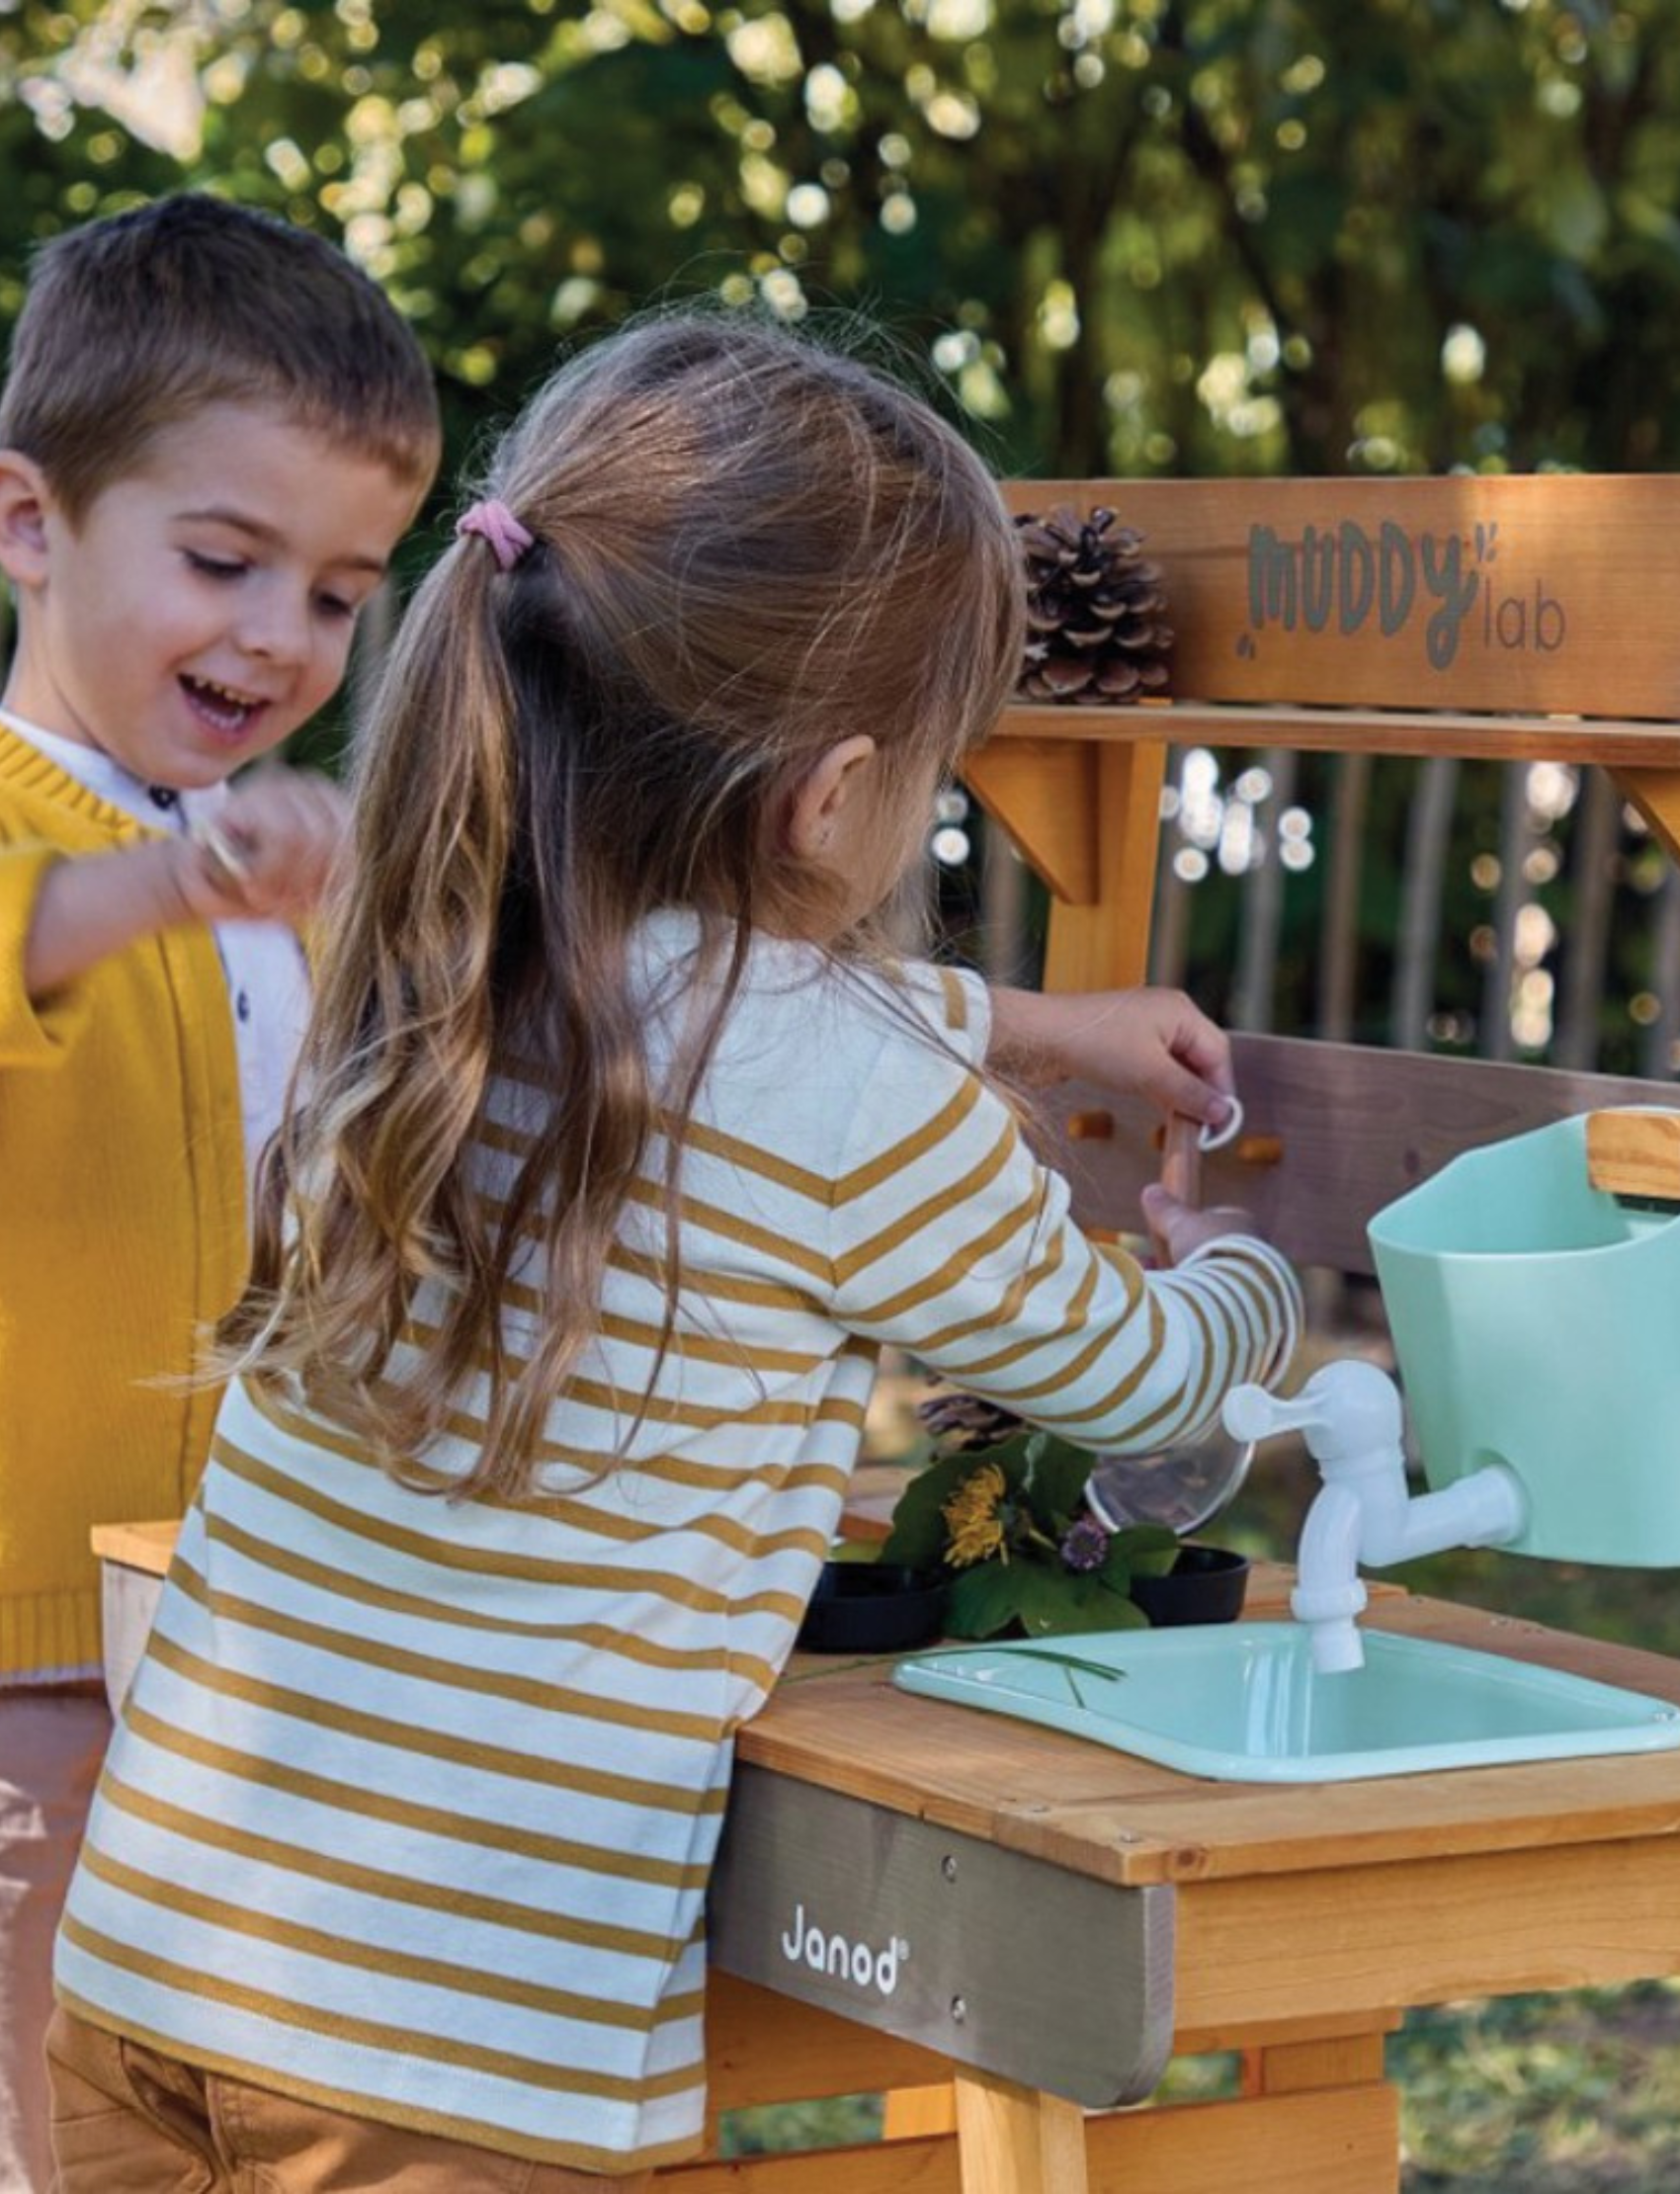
(1243, 1703)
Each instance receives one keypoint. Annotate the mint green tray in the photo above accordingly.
(1241, 1701)
(1536, 1322)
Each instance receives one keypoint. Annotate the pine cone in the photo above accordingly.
(962, 1421)
(1096, 631)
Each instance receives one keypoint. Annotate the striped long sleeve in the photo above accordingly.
(951, 1240)
(414, 1800)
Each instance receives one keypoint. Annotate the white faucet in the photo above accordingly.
(1349, 1414)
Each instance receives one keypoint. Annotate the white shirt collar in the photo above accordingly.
(113, 784)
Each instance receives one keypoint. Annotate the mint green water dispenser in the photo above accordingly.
(1536, 1322)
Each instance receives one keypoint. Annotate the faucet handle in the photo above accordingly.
(1347, 1409)
(1253, 1412)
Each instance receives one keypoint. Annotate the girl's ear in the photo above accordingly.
(25, 499)
(825, 798)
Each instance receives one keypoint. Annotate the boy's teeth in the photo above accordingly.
(221, 700)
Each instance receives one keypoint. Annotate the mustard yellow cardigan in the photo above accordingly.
(122, 1228)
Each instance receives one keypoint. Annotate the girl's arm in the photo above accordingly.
(950, 1240)
(1152, 1042)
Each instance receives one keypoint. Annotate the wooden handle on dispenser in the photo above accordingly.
(1181, 1171)
(1635, 1153)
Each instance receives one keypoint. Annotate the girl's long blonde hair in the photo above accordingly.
(746, 549)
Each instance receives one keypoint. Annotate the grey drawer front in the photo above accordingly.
(996, 1960)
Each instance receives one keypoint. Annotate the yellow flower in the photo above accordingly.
(977, 1529)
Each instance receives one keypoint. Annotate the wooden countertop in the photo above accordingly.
(839, 1725)
(1108, 1814)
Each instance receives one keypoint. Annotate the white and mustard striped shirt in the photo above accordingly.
(414, 1802)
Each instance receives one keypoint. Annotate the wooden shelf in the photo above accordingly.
(1611, 741)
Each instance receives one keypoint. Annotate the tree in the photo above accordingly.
(1128, 236)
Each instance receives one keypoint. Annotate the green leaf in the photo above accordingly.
(1108, 1614)
(1056, 1484)
(1048, 1601)
(1116, 1572)
(1139, 1550)
(918, 1534)
(1013, 1457)
(1062, 1606)
(986, 1598)
(1148, 1549)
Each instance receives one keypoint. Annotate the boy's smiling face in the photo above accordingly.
(202, 608)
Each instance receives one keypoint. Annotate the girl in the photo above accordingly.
(623, 1147)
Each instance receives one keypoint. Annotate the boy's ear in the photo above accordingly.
(823, 794)
(25, 500)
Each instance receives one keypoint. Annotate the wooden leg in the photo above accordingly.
(1299, 2068)
(1015, 2140)
(909, 2111)
(1105, 945)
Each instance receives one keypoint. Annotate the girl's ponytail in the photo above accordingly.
(714, 550)
(367, 1196)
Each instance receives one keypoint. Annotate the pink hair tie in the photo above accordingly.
(493, 521)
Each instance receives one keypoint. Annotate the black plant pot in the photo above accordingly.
(1205, 1584)
(872, 1607)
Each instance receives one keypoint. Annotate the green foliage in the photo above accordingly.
(1154, 236)
(1159, 236)
(1545, 2094)
(782, 2128)
(998, 1517)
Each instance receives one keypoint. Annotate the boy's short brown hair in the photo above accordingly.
(136, 322)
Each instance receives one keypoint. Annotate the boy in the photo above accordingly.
(213, 432)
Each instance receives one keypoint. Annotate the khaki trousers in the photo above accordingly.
(127, 2121)
(51, 1743)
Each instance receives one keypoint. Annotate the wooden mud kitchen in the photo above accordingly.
(1007, 1930)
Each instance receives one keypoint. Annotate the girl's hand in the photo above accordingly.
(269, 851)
(1152, 1042)
(1180, 1227)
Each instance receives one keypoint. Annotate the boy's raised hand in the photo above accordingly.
(268, 857)
(1152, 1041)
(269, 851)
